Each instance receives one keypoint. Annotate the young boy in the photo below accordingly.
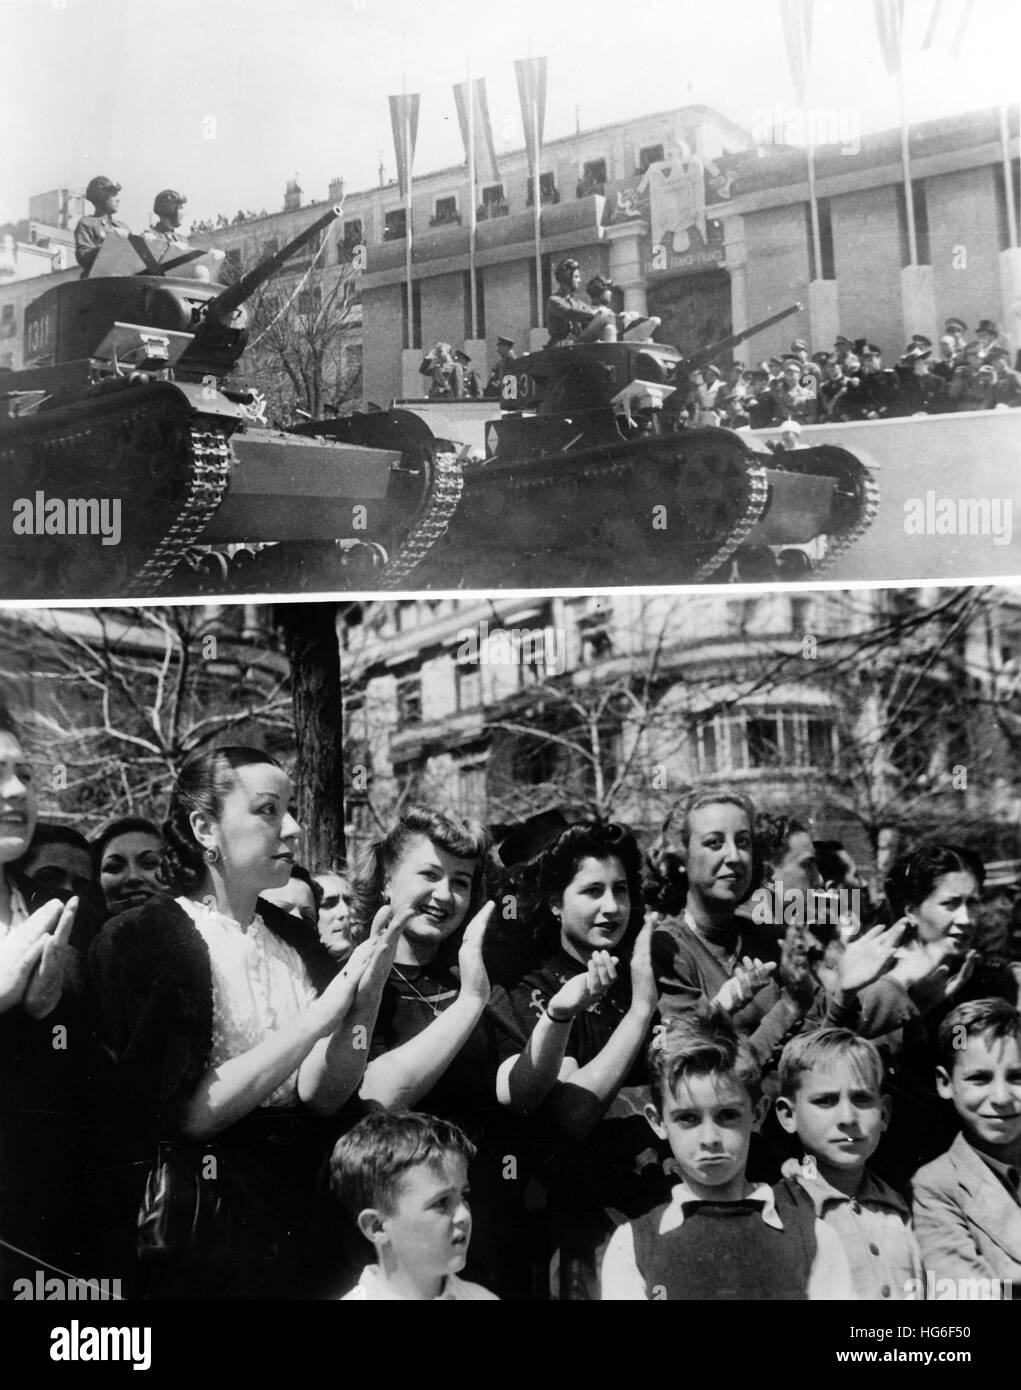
(831, 1097)
(719, 1237)
(967, 1202)
(404, 1179)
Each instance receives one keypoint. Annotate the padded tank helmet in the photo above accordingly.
(167, 201)
(101, 187)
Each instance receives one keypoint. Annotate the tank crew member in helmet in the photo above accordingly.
(165, 237)
(93, 230)
(600, 291)
(568, 317)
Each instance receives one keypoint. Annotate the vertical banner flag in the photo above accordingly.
(796, 17)
(485, 149)
(950, 35)
(531, 74)
(404, 119)
(890, 27)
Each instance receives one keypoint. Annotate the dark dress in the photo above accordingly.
(153, 983)
(619, 1170)
(465, 1094)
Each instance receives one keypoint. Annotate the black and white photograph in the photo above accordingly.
(510, 669)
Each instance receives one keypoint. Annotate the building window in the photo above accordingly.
(825, 240)
(493, 204)
(593, 179)
(759, 740)
(468, 684)
(534, 761)
(801, 615)
(651, 154)
(395, 225)
(921, 207)
(446, 214)
(409, 701)
(8, 322)
(470, 781)
(1003, 221)
(547, 190)
(480, 305)
(352, 237)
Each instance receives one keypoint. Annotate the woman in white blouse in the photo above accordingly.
(235, 1038)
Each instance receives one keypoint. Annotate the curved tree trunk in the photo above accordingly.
(310, 637)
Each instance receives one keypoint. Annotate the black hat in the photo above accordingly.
(791, 357)
(859, 345)
(916, 353)
(758, 371)
(598, 284)
(505, 342)
(841, 340)
(799, 345)
(101, 187)
(168, 199)
(920, 340)
(821, 358)
(996, 353)
(461, 356)
(987, 326)
(870, 349)
(956, 326)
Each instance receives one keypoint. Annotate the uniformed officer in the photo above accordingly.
(504, 353)
(879, 394)
(93, 230)
(472, 382)
(165, 237)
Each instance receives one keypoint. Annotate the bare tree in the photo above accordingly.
(114, 700)
(302, 353)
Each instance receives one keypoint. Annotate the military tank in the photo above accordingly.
(591, 476)
(133, 462)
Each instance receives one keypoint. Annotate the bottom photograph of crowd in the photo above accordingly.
(647, 946)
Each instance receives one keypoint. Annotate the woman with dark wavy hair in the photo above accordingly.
(234, 1037)
(587, 1009)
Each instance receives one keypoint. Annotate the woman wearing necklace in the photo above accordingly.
(587, 1009)
(234, 1037)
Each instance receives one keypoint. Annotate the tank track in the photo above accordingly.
(211, 459)
(868, 490)
(689, 472)
(128, 441)
(443, 494)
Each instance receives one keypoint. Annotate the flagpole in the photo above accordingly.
(470, 91)
(538, 212)
(407, 214)
(909, 202)
(810, 152)
(1008, 179)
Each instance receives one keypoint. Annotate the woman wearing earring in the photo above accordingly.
(233, 1036)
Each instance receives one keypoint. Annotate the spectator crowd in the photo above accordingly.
(537, 1056)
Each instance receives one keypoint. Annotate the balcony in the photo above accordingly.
(445, 219)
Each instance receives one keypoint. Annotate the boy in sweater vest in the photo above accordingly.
(719, 1236)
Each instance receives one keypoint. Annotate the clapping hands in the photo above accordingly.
(33, 959)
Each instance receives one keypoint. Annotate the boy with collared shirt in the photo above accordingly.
(831, 1097)
(719, 1236)
(403, 1177)
(967, 1202)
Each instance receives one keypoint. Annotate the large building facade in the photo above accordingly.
(695, 219)
(828, 704)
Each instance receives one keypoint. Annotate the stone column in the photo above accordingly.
(413, 383)
(1010, 297)
(823, 318)
(918, 302)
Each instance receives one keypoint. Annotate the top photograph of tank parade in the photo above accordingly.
(743, 307)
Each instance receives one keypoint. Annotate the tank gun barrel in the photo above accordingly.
(222, 307)
(705, 355)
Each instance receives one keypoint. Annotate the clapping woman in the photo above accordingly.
(235, 1039)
